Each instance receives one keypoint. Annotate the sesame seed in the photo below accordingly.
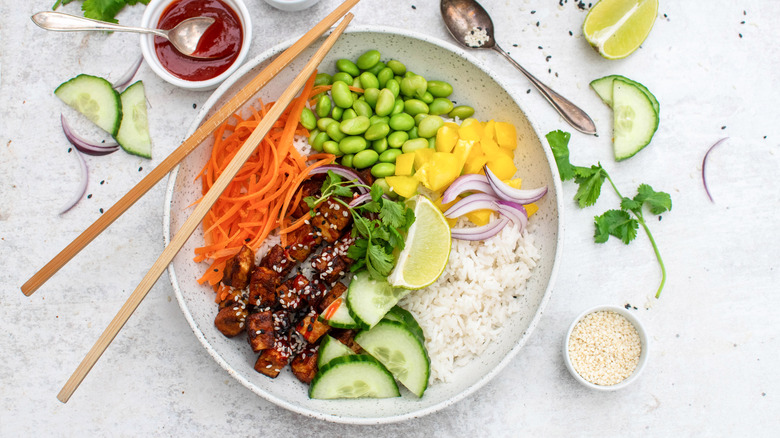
(604, 348)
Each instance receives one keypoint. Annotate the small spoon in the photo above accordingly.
(472, 27)
(184, 37)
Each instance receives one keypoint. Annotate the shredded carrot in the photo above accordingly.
(262, 196)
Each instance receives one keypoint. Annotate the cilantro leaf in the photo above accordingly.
(590, 180)
(658, 202)
(396, 240)
(362, 226)
(376, 192)
(104, 10)
(379, 261)
(392, 214)
(559, 143)
(629, 204)
(358, 250)
(616, 223)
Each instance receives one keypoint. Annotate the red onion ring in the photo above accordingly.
(126, 78)
(508, 193)
(466, 183)
(82, 186)
(84, 145)
(477, 201)
(344, 172)
(480, 233)
(703, 167)
(514, 212)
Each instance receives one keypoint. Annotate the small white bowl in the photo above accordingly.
(151, 17)
(291, 5)
(642, 356)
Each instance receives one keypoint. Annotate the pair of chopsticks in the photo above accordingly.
(211, 196)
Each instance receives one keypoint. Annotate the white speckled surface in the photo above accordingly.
(715, 353)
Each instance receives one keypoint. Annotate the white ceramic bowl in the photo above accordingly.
(292, 5)
(151, 17)
(474, 85)
(640, 329)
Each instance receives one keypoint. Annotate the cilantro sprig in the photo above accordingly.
(622, 223)
(103, 10)
(378, 225)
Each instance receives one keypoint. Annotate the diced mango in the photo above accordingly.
(531, 208)
(475, 152)
(490, 148)
(422, 156)
(445, 170)
(474, 165)
(405, 186)
(452, 125)
(506, 135)
(404, 164)
(479, 217)
(446, 137)
(502, 166)
(490, 130)
(516, 183)
(470, 129)
(461, 152)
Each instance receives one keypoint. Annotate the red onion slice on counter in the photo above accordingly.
(703, 167)
(126, 78)
(344, 172)
(466, 183)
(508, 193)
(82, 185)
(84, 145)
(477, 201)
(480, 233)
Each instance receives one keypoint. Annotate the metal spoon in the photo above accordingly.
(472, 27)
(184, 37)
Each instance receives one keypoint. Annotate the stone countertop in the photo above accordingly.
(715, 351)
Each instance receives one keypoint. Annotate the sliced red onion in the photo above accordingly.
(508, 193)
(480, 233)
(82, 186)
(477, 201)
(126, 78)
(365, 197)
(514, 212)
(466, 183)
(344, 172)
(84, 145)
(704, 164)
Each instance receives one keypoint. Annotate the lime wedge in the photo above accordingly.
(617, 27)
(426, 250)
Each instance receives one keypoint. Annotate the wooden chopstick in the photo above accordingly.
(150, 180)
(197, 215)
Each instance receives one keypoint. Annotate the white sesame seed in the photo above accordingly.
(604, 348)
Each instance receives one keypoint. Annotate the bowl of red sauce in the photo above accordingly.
(225, 43)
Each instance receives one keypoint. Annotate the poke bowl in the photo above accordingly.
(474, 85)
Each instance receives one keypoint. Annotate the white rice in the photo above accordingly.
(465, 310)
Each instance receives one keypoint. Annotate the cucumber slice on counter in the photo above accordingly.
(95, 98)
(353, 376)
(403, 316)
(331, 348)
(635, 119)
(603, 87)
(370, 299)
(337, 315)
(398, 349)
(133, 134)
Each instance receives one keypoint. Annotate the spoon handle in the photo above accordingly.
(66, 23)
(570, 112)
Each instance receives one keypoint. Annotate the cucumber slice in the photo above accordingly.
(95, 98)
(403, 316)
(603, 87)
(398, 349)
(337, 315)
(635, 119)
(133, 134)
(355, 376)
(330, 349)
(370, 299)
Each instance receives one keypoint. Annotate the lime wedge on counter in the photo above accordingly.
(617, 27)
(427, 247)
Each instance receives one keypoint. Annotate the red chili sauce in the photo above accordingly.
(221, 41)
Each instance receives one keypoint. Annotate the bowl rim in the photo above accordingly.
(644, 339)
(291, 5)
(484, 379)
(150, 19)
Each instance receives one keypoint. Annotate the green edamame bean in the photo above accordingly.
(383, 76)
(355, 96)
(414, 86)
(418, 118)
(343, 77)
(381, 170)
(384, 102)
(461, 112)
(322, 124)
(312, 134)
(355, 126)
(380, 145)
(331, 147)
(401, 122)
(427, 97)
(342, 97)
(322, 108)
(368, 59)
(397, 139)
(440, 105)
(362, 108)
(390, 155)
(375, 132)
(348, 113)
(397, 66)
(356, 83)
(352, 144)
(346, 160)
(307, 119)
(377, 119)
(432, 142)
(348, 67)
(414, 144)
(365, 158)
(415, 106)
(439, 88)
(398, 106)
(336, 113)
(321, 138)
(323, 79)
(408, 74)
(371, 95)
(413, 133)
(393, 86)
(377, 68)
(429, 126)
(384, 186)
(334, 132)
(368, 80)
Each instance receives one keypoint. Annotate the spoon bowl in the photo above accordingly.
(185, 36)
(471, 26)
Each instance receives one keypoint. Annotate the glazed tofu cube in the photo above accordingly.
(302, 242)
(271, 361)
(230, 320)
(312, 329)
(238, 268)
(277, 261)
(336, 291)
(304, 366)
(260, 330)
(262, 288)
(288, 295)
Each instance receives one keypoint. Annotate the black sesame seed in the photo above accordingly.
(140, 169)
(414, 7)
(740, 35)
(70, 149)
(548, 58)
(570, 33)
(194, 105)
(216, 270)
(533, 12)
(723, 127)
(537, 24)
(89, 196)
(528, 91)
(514, 45)
(101, 182)
(540, 47)
(101, 210)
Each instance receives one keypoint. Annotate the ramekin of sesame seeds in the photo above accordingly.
(606, 348)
